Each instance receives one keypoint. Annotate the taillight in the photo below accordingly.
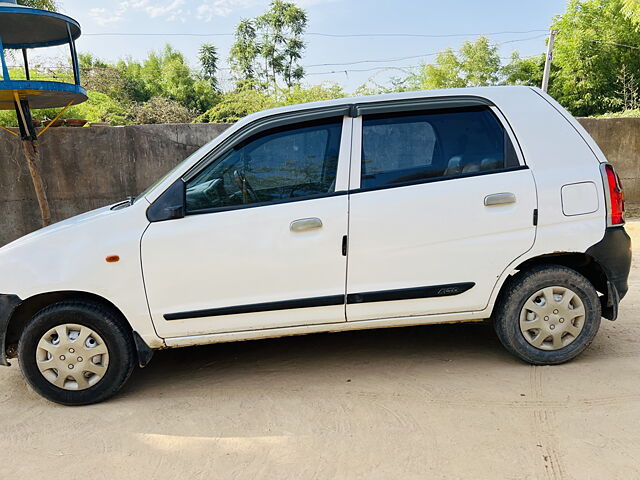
(616, 197)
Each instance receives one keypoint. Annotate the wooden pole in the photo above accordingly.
(31, 152)
(32, 155)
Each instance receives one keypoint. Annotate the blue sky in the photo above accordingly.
(427, 17)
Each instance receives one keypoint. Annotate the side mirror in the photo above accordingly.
(170, 205)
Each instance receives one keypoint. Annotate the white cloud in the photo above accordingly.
(171, 10)
(102, 16)
(209, 9)
(222, 8)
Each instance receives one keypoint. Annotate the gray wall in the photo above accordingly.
(86, 168)
(619, 139)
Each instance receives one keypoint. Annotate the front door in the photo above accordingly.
(442, 204)
(261, 244)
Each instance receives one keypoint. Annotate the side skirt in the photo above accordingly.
(176, 342)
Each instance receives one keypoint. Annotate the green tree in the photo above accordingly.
(51, 5)
(244, 53)
(524, 71)
(474, 64)
(167, 74)
(590, 55)
(268, 49)
(631, 9)
(246, 100)
(208, 56)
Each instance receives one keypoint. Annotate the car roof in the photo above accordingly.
(482, 92)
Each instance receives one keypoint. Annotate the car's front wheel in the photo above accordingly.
(76, 353)
(548, 315)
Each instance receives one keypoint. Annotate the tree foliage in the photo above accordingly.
(524, 71)
(267, 49)
(246, 100)
(475, 64)
(595, 70)
(208, 56)
(590, 54)
(631, 9)
(51, 5)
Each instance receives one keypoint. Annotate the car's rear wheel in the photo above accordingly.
(76, 353)
(548, 315)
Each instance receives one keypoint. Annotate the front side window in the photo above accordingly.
(403, 148)
(280, 165)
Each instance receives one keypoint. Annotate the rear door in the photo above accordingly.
(442, 202)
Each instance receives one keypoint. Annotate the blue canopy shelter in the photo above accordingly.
(23, 29)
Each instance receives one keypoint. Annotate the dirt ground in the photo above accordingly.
(428, 402)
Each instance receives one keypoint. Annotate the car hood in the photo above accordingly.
(57, 228)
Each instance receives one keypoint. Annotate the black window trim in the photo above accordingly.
(495, 111)
(260, 134)
(262, 126)
(266, 204)
(353, 110)
(438, 179)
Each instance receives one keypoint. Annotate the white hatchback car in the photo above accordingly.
(384, 211)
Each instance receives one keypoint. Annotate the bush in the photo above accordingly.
(246, 100)
(162, 110)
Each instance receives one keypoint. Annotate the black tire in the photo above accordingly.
(526, 284)
(116, 336)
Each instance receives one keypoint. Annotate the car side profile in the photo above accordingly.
(384, 211)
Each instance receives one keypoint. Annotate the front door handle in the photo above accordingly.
(499, 199)
(304, 224)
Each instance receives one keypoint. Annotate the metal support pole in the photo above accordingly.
(5, 70)
(74, 57)
(547, 63)
(26, 63)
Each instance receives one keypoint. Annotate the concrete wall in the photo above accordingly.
(86, 168)
(619, 139)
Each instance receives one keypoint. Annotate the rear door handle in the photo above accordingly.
(304, 224)
(499, 199)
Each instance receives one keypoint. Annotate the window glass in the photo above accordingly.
(280, 165)
(413, 147)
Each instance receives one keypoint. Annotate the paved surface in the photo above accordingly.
(428, 402)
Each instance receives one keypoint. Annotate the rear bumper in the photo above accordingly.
(613, 254)
(8, 305)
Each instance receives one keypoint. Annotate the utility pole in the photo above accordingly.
(547, 63)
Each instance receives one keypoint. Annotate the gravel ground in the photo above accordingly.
(427, 402)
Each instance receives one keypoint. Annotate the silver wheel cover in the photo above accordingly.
(72, 357)
(552, 318)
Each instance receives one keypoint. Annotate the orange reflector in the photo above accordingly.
(112, 259)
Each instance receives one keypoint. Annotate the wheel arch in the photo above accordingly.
(582, 263)
(32, 305)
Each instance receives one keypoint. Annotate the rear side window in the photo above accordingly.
(442, 144)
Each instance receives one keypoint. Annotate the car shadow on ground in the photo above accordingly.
(312, 357)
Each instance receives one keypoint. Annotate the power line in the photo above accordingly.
(384, 60)
(315, 34)
(411, 57)
(635, 47)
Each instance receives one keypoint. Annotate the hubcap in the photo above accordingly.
(72, 357)
(552, 318)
